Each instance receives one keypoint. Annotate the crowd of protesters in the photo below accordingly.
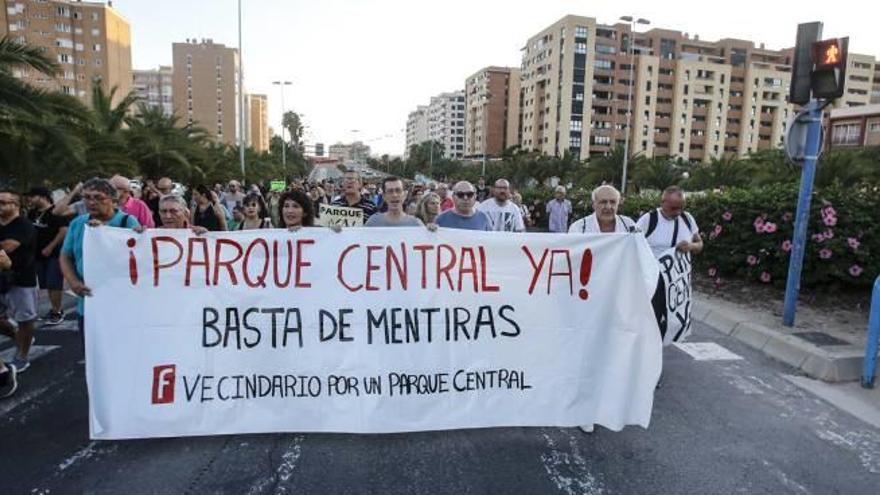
(41, 236)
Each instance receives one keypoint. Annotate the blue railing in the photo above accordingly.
(873, 338)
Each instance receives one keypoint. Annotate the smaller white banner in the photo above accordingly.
(343, 216)
(675, 275)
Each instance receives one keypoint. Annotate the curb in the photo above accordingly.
(837, 363)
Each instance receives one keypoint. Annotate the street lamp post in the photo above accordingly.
(632, 62)
(281, 85)
(240, 98)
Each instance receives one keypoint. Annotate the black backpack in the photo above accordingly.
(654, 217)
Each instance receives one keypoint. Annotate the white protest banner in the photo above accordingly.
(366, 331)
(675, 274)
(344, 216)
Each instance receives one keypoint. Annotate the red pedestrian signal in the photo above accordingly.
(829, 68)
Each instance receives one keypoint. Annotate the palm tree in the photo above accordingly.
(609, 168)
(658, 173)
(35, 138)
(728, 171)
(161, 147)
(106, 151)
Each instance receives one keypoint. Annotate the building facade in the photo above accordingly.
(446, 116)
(416, 128)
(205, 89)
(154, 88)
(690, 98)
(492, 117)
(257, 122)
(90, 41)
(854, 127)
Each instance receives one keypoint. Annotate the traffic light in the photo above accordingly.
(829, 68)
(802, 63)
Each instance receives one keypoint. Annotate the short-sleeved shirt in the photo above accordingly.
(590, 225)
(382, 220)
(22, 257)
(558, 212)
(668, 232)
(452, 220)
(365, 205)
(47, 225)
(73, 241)
(139, 210)
(504, 218)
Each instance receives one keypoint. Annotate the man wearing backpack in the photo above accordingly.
(100, 198)
(670, 226)
(664, 228)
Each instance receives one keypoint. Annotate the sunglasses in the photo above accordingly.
(463, 194)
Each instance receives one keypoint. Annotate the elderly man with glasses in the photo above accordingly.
(464, 215)
(100, 198)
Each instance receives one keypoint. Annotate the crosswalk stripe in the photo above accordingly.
(707, 351)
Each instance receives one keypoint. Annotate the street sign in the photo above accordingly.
(277, 185)
(795, 144)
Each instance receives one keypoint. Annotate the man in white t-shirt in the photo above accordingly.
(604, 219)
(503, 213)
(671, 226)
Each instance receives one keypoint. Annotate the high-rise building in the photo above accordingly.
(446, 115)
(153, 87)
(205, 87)
(416, 127)
(492, 103)
(257, 122)
(90, 41)
(442, 120)
(690, 98)
(319, 149)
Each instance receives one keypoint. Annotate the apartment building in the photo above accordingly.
(492, 111)
(690, 98)
(416, 128)
(205, 89)
(257, 122)
(90, 41)
(854, 127)
(154, 88)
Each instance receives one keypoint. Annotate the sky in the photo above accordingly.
(358, 67)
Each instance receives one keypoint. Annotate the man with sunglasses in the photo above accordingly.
(464, 215)
(100, 198)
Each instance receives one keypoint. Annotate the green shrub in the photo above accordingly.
(748, 235)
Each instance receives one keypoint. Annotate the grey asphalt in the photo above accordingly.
(718, 427)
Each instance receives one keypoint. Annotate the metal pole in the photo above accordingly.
(802, 220)
(240, 99)
(283, 143)
(632, 63)
(873, 341)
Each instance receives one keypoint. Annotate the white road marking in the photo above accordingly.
(569, 471)
(283, 472)
(707, 351)
(36, 352)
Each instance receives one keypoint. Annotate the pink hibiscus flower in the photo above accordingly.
(825, 254)
(786, 245)
(752, 260)
(713, 271)
(769, 227)
(765, 277)
(853, 243)
(855, 270)
(727, 216)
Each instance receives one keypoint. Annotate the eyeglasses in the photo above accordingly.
(95, 197)
(464, 194)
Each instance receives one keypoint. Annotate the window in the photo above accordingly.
(610, 50)
(846, 134)
(96, 47)
(603, 64)
(874, 127)
(575, 125)
(580, 32)
(63, 58)
(96, 32)
(95, 16)
(580, 48)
